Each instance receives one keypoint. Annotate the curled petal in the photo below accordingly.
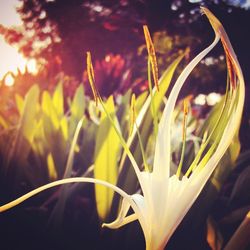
(232, 61)
(122, 219)
(119, 222)
(140, 214)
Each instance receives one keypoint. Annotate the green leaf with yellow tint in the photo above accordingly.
(106, 156)
(64, 128)
(51, 168)
(19, 103)
(77, 107)
(26, 128)
(3, 123)
(58, 100)
(50, 109)
(27, 124)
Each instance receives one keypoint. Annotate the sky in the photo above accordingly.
(8, 14)
(10, 58)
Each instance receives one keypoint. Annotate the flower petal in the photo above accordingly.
(119, 222)
(236, 106)
(122, 219)
(162, 149)
(67, 181)
(199, 177)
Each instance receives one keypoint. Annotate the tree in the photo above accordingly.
(59, 32)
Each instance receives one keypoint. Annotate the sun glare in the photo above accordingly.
(11, 59)
(8, 14)
(9, 80)
(32, 66)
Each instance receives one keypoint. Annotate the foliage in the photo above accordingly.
(42, 135)
(233, 200)
(62, 31)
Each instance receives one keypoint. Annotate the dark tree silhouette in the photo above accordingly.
(62, 31)
(59, 32)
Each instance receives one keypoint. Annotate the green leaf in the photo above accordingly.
(26, 128)
(122, 112)
(85, 157)
(77, 110)
(77, 107)
(3, 123)
(40, 144)
(106, 156)
(19, 103)
(27, 121)
(64, 128)
(70, 160)
(51, 168)
(58, 100)
(55, 128)
(49, 109)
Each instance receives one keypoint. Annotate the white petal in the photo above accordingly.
(67, 181)
(235, 112)
(122, 222)
(162, 149)
(122, 219)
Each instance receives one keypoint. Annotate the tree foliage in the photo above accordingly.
(60, 32)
